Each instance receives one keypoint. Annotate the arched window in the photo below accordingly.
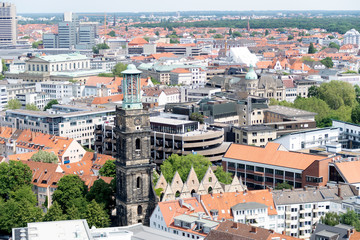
(177, 194)
(139, 210)
(138, 182)
(210, 189)
(210, 179)
(137, 143)
(192, 192)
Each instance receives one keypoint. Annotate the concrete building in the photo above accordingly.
(189, 94)
(266, 167)
(300, 209)
(350, 134)
(160, 96)
(277, 113)
(352, 37)
(79, 229)
(339, 232)
(77, 122)
(62, 91)
(8, 24)
(39, 99)
(256, 135)
(309, 139)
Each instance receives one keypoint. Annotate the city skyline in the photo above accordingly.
(43, 6)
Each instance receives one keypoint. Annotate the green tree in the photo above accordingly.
(313, 104)
(55, 213)
(50, 104)
(31, 107)
(337, 93)
(112, 33)
(73, 213)
(212, 31)
(350, 218)
(334, 45)
(218, 35)
(290, 37)
(357, 93)
(230, 32)
(146, 39)
(331, 219)
(71, 191)
(13, 104)
(237, 34)
(313, 91)
(45, 157)
(108, 169)
(102, 193)
(327, 62)
(13, 175)
(183, 164)
(284, 185)
(174, 41)
(19, 210)
(126, 28)
(157, 33)
(312, 49)
(331, 37)
(4, 67)
(36, 44)
(96, 215)
(355, 114)
(197, 117)
(96, 49)
(222, 176)
(266, 32)
(118, 68)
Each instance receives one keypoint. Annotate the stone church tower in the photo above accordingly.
(135, 196)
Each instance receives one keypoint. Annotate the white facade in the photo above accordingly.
(61, 90)
(352, 37)
(3, 97)
(309, 139)
(39, 99)
(8, 22)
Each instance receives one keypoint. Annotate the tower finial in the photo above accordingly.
(131, 88)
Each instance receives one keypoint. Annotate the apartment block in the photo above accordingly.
(77, 122)
(300, 209)
(256, 135)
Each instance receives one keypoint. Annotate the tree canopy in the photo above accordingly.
(327, 62)
(50, 104)
(102, 193)
(118, 68)
(197, 117)
(31, 107)
(183, 164)
(312, 49)
(13, 104)
(45, 157)
(112, 34)
(108, 169)
(349, 218)
(13, 175)
(96, 49)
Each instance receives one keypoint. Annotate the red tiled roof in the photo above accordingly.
(271, 155)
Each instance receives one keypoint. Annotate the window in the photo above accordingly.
(138, 182)
(139, 210)
(137, 143)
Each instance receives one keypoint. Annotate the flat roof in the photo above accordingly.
(289, 112)
(169, 121)
(248, 205)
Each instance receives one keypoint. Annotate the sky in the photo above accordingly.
(59, 6)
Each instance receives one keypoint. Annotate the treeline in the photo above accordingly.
(334, 100)
(336, 24)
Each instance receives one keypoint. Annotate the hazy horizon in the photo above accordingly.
(51, 6)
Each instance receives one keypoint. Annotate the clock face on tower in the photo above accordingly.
(137, 121)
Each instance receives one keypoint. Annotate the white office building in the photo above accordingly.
(309, 139)
(352, 37)
(8, 22)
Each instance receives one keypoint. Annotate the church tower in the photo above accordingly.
(135, 197)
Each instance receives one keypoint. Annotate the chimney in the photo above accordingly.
(236, 225)
(95, 156)
(349, 232)
(32, 136)
(283, 233)
(253, 229)
(339, 192)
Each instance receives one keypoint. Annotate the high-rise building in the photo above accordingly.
(8, 23)
(72, 34)
(352, 37)
(135, 196)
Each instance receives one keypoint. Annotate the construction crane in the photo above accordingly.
(96, 14)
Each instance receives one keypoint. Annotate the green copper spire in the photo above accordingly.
(131, 88)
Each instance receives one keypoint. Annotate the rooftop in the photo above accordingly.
(248, 205)
(62, 57)
(289, 112)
